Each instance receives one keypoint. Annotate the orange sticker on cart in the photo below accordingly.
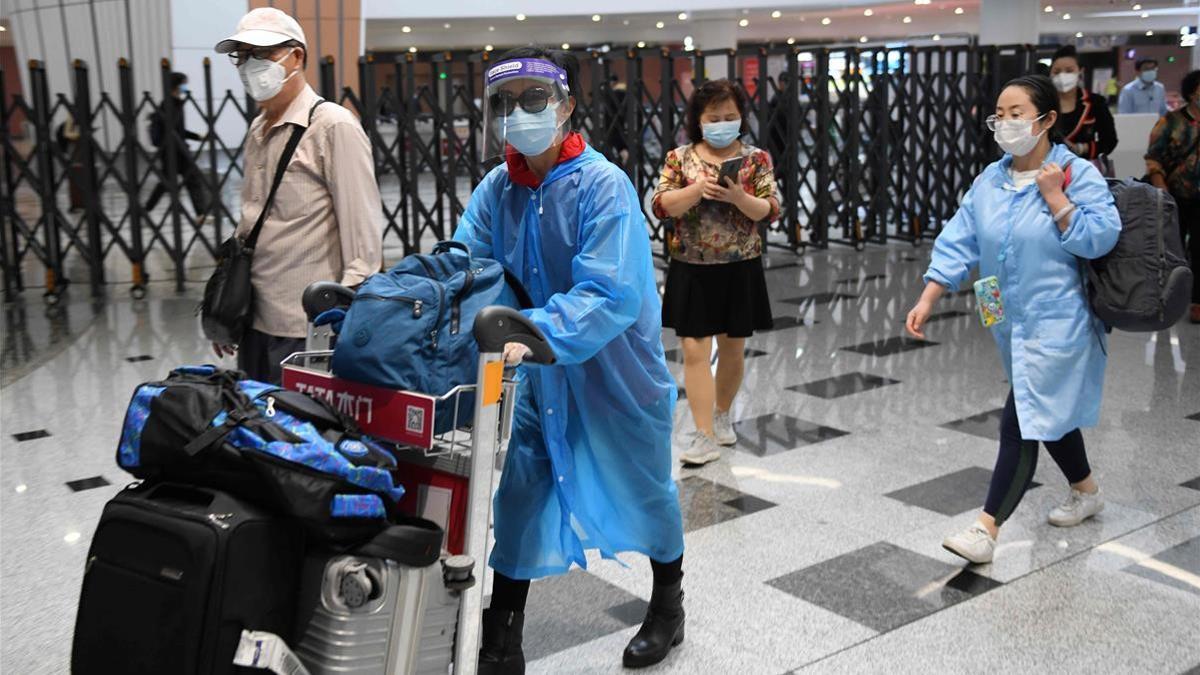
(493, 381)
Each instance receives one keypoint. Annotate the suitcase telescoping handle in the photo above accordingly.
(325, 295)
(496, 325)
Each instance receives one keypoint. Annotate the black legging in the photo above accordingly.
(1189, 229)
(1018, 461)
(509, 594)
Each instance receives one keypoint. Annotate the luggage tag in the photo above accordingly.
(988, 301)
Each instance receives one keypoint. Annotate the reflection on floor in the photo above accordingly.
(812, 546)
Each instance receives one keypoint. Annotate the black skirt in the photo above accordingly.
(722, 299)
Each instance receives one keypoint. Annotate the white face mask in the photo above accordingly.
(1066, 81)
(1016, 136)
(264, 78)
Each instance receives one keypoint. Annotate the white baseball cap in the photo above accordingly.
(263, 27)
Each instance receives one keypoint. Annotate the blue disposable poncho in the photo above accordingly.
(1053, 347)
(589, 463)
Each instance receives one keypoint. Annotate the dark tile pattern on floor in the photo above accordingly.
(1195, 417)
(1193, 483)
(889, 346)
(785, 322)
(1184, 556)
(856, 280)
(984, 425)
(883, 586)
(568, 610)
(87, 483)
(951, 494)
(139, 358)
(843, 385)
(705, 503)
(31, 435)
(630, 613)
(776, 433)
(819, 298)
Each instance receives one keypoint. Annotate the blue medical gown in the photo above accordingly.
(1052, 346)
(589, 463)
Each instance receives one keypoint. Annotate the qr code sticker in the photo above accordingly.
(415, 420)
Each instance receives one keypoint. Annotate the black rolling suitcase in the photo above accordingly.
(173, 576)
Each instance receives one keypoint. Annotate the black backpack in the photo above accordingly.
(1143, 284)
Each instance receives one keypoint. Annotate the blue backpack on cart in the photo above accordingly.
(284, 450)
(410, 327)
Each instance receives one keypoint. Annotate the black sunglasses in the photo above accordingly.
(240, 56)
(532, 100)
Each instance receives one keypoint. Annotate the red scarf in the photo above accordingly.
(519, 171)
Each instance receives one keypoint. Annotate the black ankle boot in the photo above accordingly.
(662, 629)
(500, 653)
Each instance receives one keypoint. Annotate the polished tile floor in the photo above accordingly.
(813, 546)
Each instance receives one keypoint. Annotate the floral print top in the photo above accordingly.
(1175, 151)
(715, 232)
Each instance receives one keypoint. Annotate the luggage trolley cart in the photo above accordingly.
(369, 614)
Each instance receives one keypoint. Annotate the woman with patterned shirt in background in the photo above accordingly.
(715, 285)
(1173, 164)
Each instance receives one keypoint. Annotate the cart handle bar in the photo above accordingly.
(322, 296)
(496, 325)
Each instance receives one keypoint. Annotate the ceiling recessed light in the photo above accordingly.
(566, 45)
(687, 39)
(907, 19)
(446, 26)
(1145, 15)
(1067, 16)
(659, 24)
(491, 29)
(791, 41)
(862, 39)
(1079, 35)
(1049, 9)
(520, 17)
(406, 29)
(641, 44)
(1149, 33)
(826, 21)
(921, 2)
(683, 16)
(2, 29)
(624, 22)
(744, 22)
(1137, 8)
(412, 50)
(776, 14)
(958, 10)
(937, 38)
(488, 48)
(596, 18)
(868, 12)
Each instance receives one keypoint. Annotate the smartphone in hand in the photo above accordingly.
(730, 169)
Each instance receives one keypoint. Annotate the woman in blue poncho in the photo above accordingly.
(589, 463)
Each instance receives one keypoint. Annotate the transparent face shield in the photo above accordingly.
(526, 106)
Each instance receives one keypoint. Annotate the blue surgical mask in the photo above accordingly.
(1149, 76)
(183, 91)
(531, 133)
(721, 134)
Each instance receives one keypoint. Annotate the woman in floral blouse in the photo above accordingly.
(715, 285)
(1173, 163)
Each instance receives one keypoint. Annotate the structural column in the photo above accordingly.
(1009, 22)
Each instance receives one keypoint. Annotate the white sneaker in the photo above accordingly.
(702, 451)
(974, 544)
(723, 431)
(1079, 507)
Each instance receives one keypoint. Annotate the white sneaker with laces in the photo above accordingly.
(973, 544)
(723, 428)
(1079, 507)
(702, 451)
